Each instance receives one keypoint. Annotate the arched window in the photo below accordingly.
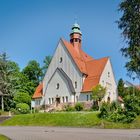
(66, 99)
(108, 74)
(108, 99)
(75, 84)
(57, 86)
(60, 60)
(76, 39)
(63, 99)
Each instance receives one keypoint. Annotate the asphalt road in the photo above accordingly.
(62, 133)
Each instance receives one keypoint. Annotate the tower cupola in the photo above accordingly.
(75, 36)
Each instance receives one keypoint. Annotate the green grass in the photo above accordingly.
(54, 119)
(83, 119)
(2, 137)
(134, 125)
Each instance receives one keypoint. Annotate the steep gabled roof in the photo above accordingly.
(79, 58)
(93, 68)
(90, 67)
(38, 92)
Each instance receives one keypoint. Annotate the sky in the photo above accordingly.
(31, 29)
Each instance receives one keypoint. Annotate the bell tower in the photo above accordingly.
(75, 37)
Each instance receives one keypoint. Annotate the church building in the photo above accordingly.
(72, 74)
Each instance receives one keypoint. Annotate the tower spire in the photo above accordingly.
(75, 36)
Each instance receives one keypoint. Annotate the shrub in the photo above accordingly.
(95, 106)
(116, 117)
(69, 108)
(130, 116)
(104, 111)
(23, 108)
(114, 106)
(21, 97)
(79, 106)
(14, 111)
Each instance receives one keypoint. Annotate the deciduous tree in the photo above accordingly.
(129, 23)
(33, 72)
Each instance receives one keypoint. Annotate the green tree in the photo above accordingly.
(33, 72)
(22, 97)
(7, 81)
(23, 84)
(120, 88)
(98, 93)
(46, 62)
(132, 103)
(129, 23)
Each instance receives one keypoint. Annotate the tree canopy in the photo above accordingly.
(46, 62)
(120, 88)
(18, 86)
(98, 92)
(33, 71)
(8, 69)
(129, 23)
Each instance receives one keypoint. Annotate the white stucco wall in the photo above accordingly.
(68, 66)
(107, 80)
(62, 91)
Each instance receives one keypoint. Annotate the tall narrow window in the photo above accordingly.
(108, 74)
(76, 98)
(38, 102)
(63, 99)
(60, 60)
(90, 97)
(108, 99)
(75, 84)
(87, 98)
(66, 98)
(57, 86)
(49, 100)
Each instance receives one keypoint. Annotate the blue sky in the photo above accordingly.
(31, 29)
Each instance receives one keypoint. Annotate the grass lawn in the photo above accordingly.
(2, 137)
(66, 119)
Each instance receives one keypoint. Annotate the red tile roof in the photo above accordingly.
(38, 92)
(93, 68)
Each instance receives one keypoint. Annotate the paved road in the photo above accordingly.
(57, 133)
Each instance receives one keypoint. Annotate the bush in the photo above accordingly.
(79, 106)
(104, 111)
(116, 117)
(113, 112)
(14, 111)
(95, 106)
(21, 97)
(130, 116)
(69, 108)
(23, 108)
